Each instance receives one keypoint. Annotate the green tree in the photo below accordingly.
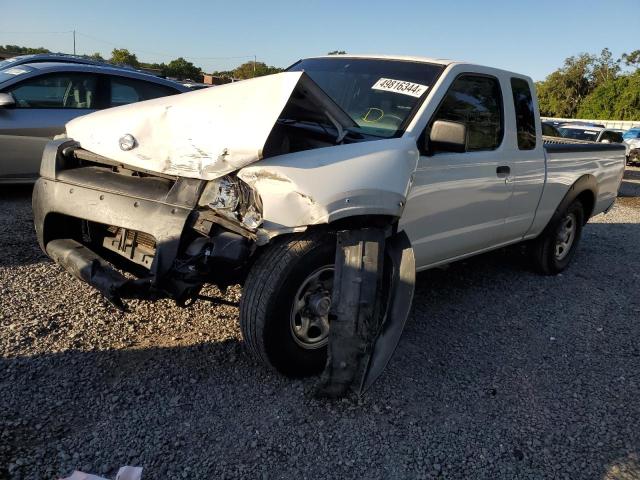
(337, 52)
(254, 69)
(96, 56)
(18, 50)
(616, 99)
(122, 56)
(562, 91)
(604, 68)
(632, 59)
(182, 69)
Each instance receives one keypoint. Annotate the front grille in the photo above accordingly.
(139, 247)
(131, 236)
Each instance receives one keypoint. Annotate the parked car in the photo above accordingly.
(322, 190)
(577, 131)
(632, 139)
(550, 130)
(47, 57)
(37, 99)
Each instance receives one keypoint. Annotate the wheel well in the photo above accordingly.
(588, 200)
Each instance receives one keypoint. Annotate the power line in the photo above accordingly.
(118, 45)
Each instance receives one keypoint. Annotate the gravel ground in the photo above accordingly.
(500, 374)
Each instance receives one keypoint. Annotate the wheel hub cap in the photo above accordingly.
(565, 236)
(310, 309)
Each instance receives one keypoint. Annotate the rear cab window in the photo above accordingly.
(525, 116)
(611, 136)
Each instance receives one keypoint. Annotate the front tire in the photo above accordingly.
(553, 250)
(285, 304)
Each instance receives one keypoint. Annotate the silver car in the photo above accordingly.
(38, 99)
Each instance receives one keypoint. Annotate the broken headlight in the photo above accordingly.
(233, 199)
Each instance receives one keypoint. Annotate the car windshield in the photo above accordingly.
(629, 134)
(579, 134)
(381, 96)
(10, 73)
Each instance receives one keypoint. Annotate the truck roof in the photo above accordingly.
(410, 58)
(416, 58)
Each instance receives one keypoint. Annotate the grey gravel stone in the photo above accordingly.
(476, 388)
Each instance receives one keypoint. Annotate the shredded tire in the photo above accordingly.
(266, 302)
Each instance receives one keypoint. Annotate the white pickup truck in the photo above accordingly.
(322, 190)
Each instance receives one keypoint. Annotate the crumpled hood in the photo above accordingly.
(203, 134)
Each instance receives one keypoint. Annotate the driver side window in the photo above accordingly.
(59, 90)
(476, 101)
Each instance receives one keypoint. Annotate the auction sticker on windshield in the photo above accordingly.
(400, 86)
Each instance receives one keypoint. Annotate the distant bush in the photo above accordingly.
(617, 99)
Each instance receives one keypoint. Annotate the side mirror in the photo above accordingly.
(7, 100)
(448, 136)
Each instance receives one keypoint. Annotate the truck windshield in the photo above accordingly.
(579, 134)
(381, 96)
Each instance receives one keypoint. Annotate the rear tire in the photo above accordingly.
(553, 250)
(271, 325)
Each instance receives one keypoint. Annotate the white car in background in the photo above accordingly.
(631, 139)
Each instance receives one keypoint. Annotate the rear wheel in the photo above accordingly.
(284, 311)
(553, 250)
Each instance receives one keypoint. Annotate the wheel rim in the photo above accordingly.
(565, 236)
(310, 310)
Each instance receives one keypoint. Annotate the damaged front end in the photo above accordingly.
(158, 199)
(97, 220)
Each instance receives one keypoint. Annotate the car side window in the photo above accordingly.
(128, 90)
(613, 137)
(476, 101)
(59, 90)
(525, 118)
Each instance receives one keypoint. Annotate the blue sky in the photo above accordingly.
(528, 37)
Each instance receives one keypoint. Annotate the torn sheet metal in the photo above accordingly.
(203, 134)
(402, 263)
(368, 314)
(326, 184)
(356, 309)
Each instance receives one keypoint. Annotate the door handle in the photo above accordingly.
(503, 171)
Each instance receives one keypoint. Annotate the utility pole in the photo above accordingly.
(74, 42)
(254, 65)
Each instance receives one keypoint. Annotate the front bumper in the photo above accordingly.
(68, 195)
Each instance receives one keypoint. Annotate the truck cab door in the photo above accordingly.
(459, 201)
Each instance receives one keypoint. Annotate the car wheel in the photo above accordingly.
(553, 250)
(284, 311)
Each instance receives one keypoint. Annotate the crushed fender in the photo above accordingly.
(366, 318)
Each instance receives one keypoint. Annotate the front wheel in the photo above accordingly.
(553, 250)
(284, 311)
